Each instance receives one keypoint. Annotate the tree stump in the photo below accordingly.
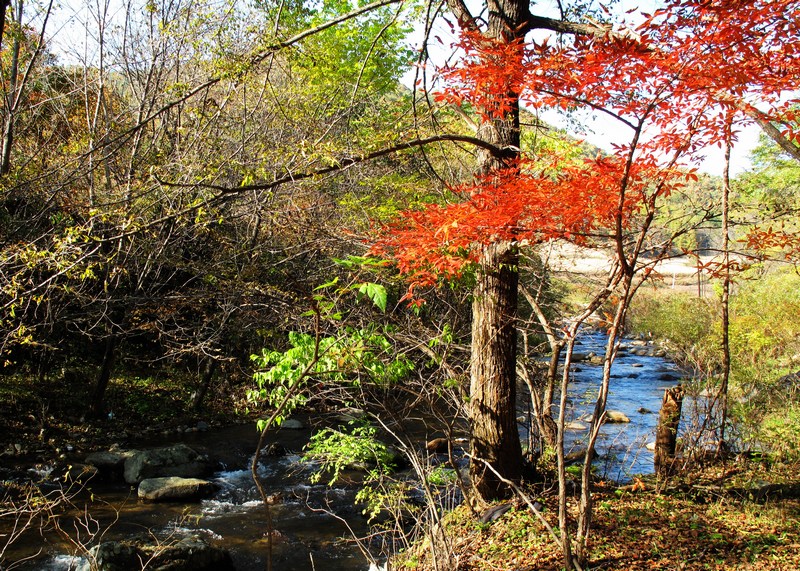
(667, 430)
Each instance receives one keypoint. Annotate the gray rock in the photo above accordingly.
(178, 460)
(349, 414)
(110, 464)
(112, 556)
(578, 455)
(174, 488)
(616, 417)
(293, 424)
(576, 426)
(495, 512)
(188, 554)
(395, 459)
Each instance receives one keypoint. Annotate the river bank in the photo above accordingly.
(696, 523)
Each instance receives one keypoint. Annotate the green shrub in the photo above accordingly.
(764, 340)
(686, 324)
(765, 329)
(780, 433)
(337, 450)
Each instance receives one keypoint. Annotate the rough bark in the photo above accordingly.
(495, 436)
(667, 430)
(726, 293)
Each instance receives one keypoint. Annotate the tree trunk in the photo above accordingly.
(103, 376)
(4, 6)
(726, 293)
(667, 430)
(495, 437)
(113, 328)
(205, 382)
(11, 96)
(547, 424)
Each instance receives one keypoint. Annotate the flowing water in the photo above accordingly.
(636, 389)
(308, 536)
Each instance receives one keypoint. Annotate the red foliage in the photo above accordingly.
(674, 85)
(524, 203)
(766, 239)
(490, 77)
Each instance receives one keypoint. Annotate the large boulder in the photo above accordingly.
(581, 357)
(178, 460)
(110, 464)
(174, 489)
(293, 424)
(578, 455)
(188, 554)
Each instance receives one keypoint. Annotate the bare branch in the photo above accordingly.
(346, 163)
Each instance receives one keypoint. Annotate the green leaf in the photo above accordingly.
(326, 285)
(376, 292)
(355, 262)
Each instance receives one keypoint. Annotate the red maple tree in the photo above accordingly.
(680, 80)
(676, 83)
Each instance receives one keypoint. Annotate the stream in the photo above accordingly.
(307, 536)
(636, 389)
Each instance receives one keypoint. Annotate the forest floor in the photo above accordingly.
(42, 421)
(705, 521)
